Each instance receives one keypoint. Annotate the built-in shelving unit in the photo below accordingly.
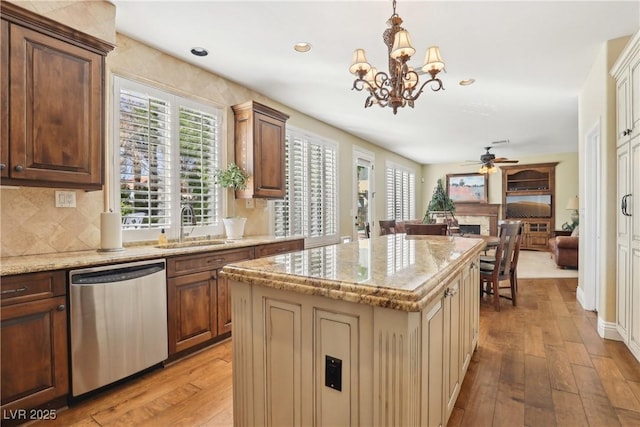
(529, 196)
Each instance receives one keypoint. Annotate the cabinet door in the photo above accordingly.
(269, 177)
(452, 352)
(4, 100)
(466, 315)
(55, 110)
(191, 310)
(224, 306)
(622, 242)
(434, 364)
(34, 353)
(622, 108)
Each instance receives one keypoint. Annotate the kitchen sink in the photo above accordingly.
(190, 243)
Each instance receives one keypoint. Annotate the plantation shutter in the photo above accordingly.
(309, 207)
(145, 160)
(198, 160)
(400, 187)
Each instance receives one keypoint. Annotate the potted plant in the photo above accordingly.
(233, 177)
(439, 206)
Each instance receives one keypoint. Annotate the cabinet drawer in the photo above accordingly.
(32, 286)
(279, 248)
(206, 261)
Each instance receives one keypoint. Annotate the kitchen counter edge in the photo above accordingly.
(81, 259)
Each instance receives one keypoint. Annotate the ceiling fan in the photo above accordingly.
(488, 161)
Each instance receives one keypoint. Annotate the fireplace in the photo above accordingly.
(469, 228)
(483, 214)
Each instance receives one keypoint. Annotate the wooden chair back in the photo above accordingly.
(387, 226)
(500, 269)
(426, 229)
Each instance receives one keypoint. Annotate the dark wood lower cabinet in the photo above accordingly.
(192, 303)
(33, 335)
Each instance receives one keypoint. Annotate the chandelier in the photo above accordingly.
(399, 87)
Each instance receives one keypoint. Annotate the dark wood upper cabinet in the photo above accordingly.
(260, 149)
(55, 108)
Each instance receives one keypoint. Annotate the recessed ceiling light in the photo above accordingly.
(199, 51)
(302, 47)
(467, 82)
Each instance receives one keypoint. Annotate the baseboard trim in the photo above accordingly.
(608, 330)
(580, 296)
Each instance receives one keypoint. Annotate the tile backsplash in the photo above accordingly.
(31, 224)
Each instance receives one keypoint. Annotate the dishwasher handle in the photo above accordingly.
(116, 274)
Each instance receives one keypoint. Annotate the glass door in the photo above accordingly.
(363, 196)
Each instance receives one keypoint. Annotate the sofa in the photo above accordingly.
(564, 249)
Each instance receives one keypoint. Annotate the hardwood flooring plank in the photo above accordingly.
(577, 353)
(619, 393)
(534, 341)
(624, 360)
(595, 401)
(480, 408)
(568, 329)
(551, 332)
(537, 392)
(628, 418)
(512, 368)
(568, 409)
(509, 407)
(635, 388)
(560, 373)
(592, 341)
(455, 419)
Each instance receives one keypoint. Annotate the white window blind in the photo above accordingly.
(400, 193)
(168, 150)
(310, 205)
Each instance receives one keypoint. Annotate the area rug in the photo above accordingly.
(538, 265)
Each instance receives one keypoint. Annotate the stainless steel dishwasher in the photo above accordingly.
(118, 322)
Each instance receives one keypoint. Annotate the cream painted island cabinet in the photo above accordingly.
(374, 332)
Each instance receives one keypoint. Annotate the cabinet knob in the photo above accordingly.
(3, 166)
(61, 307)
(19, 168)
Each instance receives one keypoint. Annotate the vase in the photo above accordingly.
(234, 227)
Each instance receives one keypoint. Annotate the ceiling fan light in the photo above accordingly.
(359, 62)
(433, 61)
(402, 45)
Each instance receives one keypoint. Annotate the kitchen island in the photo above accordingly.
(375, 332)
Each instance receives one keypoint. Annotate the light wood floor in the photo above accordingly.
(541, 363)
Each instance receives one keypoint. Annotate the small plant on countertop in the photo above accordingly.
(232, 177)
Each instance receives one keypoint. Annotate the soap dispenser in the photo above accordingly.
(162, 238)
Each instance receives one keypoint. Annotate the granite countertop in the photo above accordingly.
(80, 259)
(394, 271)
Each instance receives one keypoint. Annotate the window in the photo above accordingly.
(310, 205)
(401, 193)
(167, 150)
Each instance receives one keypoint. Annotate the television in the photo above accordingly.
(529, 206)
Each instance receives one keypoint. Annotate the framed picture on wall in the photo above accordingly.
(468, 187)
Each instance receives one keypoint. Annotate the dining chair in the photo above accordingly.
(513, 273)
(387, 226)
(426, 229)
(492, 272)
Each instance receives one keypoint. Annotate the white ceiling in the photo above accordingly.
(529, 60)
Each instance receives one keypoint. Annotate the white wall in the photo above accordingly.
(597, 104)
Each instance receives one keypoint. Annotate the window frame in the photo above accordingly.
(172, 229)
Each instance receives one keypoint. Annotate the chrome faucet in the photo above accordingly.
(187, 210)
